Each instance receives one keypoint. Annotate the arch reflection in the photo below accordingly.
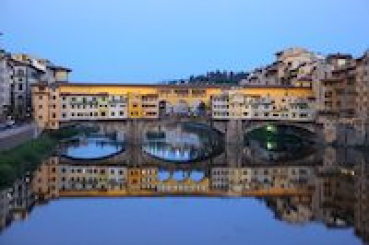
(185, 142)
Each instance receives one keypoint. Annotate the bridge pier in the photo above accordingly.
(134, 132)
(232, 130)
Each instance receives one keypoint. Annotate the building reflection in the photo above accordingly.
(334, 191)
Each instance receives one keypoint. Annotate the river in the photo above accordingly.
(135, 195)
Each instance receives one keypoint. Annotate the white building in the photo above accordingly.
(92, 177)
(4, 86)
(85, 107)
(234, 105)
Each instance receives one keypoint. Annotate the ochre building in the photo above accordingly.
(67, 102)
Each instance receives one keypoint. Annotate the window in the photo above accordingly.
(20, 87)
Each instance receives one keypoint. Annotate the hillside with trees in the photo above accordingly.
(213, 77)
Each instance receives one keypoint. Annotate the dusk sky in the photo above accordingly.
(148, 41)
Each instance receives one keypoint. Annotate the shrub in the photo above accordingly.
(15, 162)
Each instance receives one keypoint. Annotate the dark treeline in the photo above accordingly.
(213, 77)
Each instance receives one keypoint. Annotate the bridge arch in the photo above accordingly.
(309, 127)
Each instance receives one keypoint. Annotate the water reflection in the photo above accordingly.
(92, 147)
(183, 142)
(333, 191)
(280, 142)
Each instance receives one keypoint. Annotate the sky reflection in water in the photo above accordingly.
(92, 148)
(165, 221)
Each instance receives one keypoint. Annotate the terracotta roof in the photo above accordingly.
(189, 86)
(344, 68)
(361, 58)
(80, 94)
(332, 80)
(153, 85)
(339, 56)
(55, 67)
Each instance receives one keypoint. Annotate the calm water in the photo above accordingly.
(182, 142)
(93, 148)
(165, 221)
(225, 198)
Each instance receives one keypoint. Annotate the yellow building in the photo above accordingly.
(42, 111)
(45, 182)
(142, 179)
(188, 186)
(135, 105)
(155, 101)
(134, 179)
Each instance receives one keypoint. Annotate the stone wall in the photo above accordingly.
(346, 132)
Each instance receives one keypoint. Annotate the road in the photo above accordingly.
(15, 136)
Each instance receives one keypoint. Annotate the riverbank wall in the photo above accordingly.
(14, 137)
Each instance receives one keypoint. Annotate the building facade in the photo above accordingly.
(64, 102)
(340, 88)
(362, 88)
(4, 86)
(293, 104)
(17, 74)
(292, 67)
(264, 179)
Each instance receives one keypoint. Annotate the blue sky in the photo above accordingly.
(154, 40)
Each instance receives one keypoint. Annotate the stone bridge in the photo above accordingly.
(134, 130)
(232, 156)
